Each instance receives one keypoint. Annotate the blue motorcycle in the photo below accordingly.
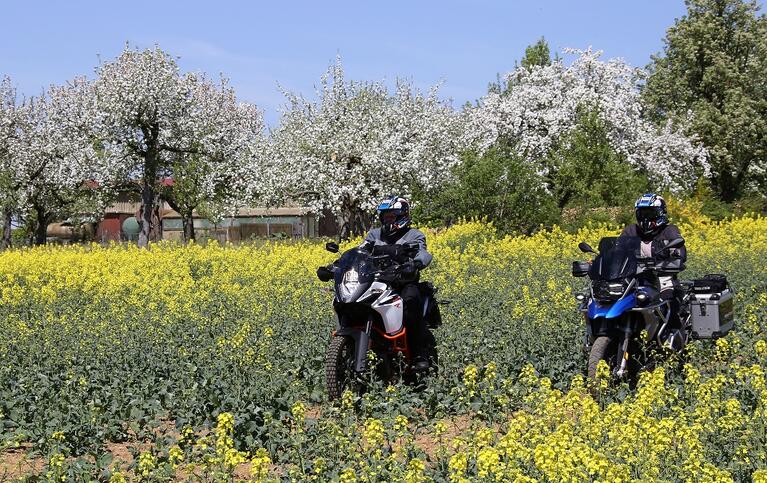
(623, 309)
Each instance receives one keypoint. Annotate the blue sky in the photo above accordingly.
(260, 45)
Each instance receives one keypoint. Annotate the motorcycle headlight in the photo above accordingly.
(350, 283)
(604, 290)
(616, 289)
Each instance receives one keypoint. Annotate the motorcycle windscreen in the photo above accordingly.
(617, 258)
(354, 274)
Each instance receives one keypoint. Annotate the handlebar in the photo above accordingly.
(391, 271)
(395, 270)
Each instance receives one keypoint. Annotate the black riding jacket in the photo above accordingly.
(674, 259)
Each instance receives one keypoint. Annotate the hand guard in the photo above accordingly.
(324, 274)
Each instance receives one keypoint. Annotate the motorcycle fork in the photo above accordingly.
(369, 341)
(624, 355)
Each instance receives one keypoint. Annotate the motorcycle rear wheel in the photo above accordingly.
(339, 366)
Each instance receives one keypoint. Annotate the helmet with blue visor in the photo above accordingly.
(394, 215)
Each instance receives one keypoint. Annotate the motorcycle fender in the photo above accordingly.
(623, 305)
(361, 345)
(596, 310)
(611, 311)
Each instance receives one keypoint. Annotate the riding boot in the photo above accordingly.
(416, 327)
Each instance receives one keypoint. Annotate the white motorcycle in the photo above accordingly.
(370, 316)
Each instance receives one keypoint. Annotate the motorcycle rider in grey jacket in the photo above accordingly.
(395, 229)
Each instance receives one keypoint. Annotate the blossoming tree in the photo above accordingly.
(542, 105)
(228, 150)
(358, 142)
(55, 156)
(9, 175)
(150, 119)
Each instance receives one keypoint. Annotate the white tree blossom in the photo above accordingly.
(150, 119)
(9, 175)
(543, 103)
(8, 109)
(54, 155)
(224, 166)
(358, 142)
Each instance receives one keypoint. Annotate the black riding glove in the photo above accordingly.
(407, 268)
(410, 267)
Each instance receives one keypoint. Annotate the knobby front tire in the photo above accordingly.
(604, 349)
(339, 365)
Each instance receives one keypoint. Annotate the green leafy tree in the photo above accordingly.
(498, 186)
(585, 171)
(589, 180)
(714, 66)
(537, 54)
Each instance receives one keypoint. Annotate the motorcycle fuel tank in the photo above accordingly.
(390, 306)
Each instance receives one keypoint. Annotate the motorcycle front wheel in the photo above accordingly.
(339, 366)
(605, 349)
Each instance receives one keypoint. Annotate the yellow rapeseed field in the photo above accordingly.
(205, 362)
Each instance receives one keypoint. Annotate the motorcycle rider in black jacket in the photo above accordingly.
(395, 229)
(655, 232)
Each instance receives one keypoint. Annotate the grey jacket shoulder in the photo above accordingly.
(373, 235)
(412, 235)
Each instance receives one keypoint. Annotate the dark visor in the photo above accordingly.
(649, 213)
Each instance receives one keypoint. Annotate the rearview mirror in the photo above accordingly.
(331, 247)
(586, 248)
(324, 274)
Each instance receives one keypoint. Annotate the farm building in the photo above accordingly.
(119, 223)
(247, 224)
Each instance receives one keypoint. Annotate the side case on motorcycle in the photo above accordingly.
(712, 314)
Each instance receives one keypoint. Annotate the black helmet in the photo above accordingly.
(394, 215)
(651, 213)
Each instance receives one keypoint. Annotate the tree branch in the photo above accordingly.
(173, 149)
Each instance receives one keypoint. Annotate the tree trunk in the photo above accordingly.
(148, 190)
(41, 229)
(353, 220)
(5, 243)
(188, 223)
(41, 233)
(147, 209)
(187, 218)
